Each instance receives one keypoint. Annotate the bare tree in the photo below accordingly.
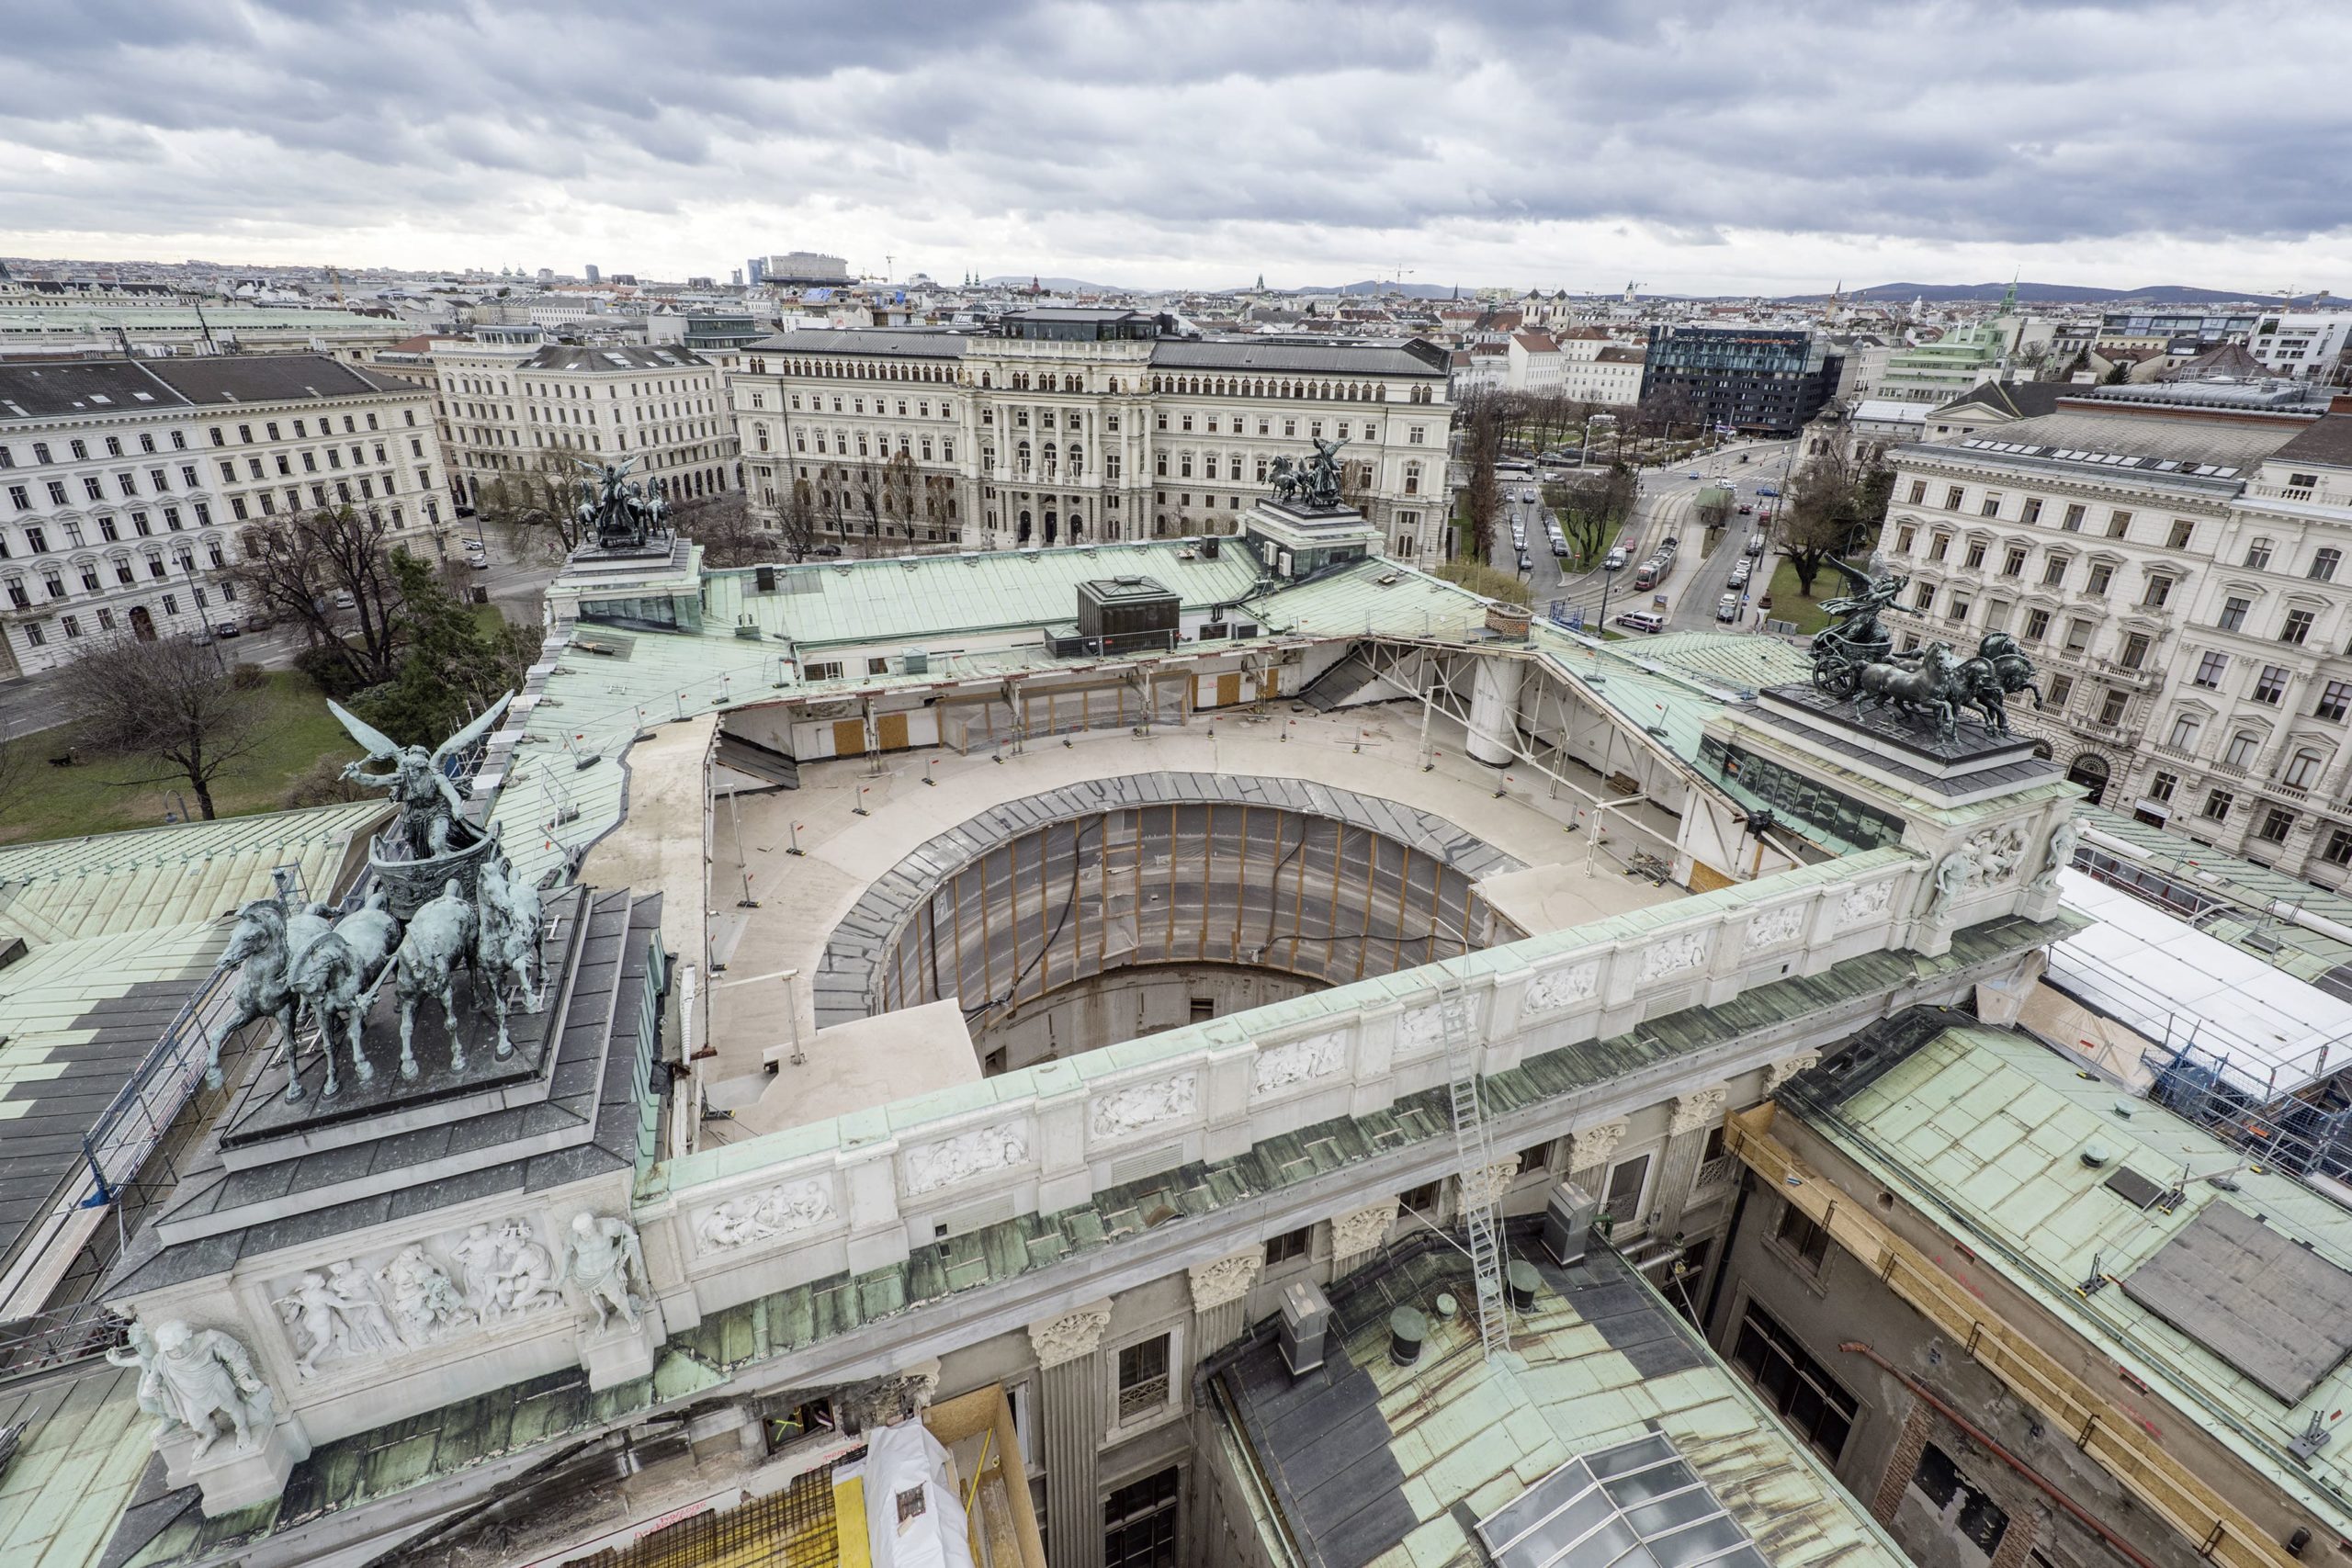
(298, 565)
(1833, 504)
(722, 524)
(1482, 495)
(538, 512)
(16, 759)
(797, 521)
(170, 703)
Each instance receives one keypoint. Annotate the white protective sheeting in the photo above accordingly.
(908, 1458)
(2175, 984)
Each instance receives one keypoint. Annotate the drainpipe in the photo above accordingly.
(1976, 1435)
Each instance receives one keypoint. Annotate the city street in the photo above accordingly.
(1666, 508)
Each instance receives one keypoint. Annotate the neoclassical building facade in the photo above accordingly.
(1079, 426)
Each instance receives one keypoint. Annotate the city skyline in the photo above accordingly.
(1164, 147)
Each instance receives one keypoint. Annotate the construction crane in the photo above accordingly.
(335, 280)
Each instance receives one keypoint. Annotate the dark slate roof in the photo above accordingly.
(1076, 314)
(1409, 357)
(900, 341)
(53, 389)
(2018, 400)
(2327, 441)
(612, 361)
(223, 379)
(608, 984)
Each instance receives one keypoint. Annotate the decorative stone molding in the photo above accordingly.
(895, 1396)
(1363, 1229)
(1866, 902)
(1780, 1072)
(1564, 987)
(366, 1309)
(1696, 1110)
(1673, 955)
(1226, 1280)
(1074, 1334)
(1137, 1106)
(1593, 1145)
(1483, 1187)
(759, 1216)
(1316, 1056)
(1775, 926)
(998, 1146)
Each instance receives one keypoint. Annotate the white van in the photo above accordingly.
(1642, 621)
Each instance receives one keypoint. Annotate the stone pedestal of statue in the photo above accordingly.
(233, 1478)
(616, 1353)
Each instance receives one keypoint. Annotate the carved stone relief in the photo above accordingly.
(1998, 852)
(1564, 987)
(1423, 1029)
(998, 1146)
(1226, 1280)
(1316, 1056)
(1593, 1145)
(1137, 1106)
(770, 1212)
(1694, 1112)
(1673, 955)
(1773, 926)
(1866, 902)
(1073, 1334)
(416, 1296)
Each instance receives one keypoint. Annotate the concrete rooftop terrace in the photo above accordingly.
(803, 899)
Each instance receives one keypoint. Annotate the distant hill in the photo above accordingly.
(2056, 293)
(1369, 285)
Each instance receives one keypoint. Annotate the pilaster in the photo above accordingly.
(1695, 1115)
(1070, 1400)
(1221, 1299)
(1356, 1235)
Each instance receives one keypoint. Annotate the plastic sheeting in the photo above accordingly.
(914, 1517)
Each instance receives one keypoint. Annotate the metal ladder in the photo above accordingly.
(1473, 1154)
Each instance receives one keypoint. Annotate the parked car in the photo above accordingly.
(1728, 607)
(1746, 509)
(1616, 559)
(258, 621)
(1766, 601)
(1528, 495)
(344, 600)
(1642, 621)
(1767, 489)
(1755, 544)
(480, 563)
(1692, 475)
(1526, 562)
(227, 629)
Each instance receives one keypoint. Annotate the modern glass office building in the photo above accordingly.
(1755, 380)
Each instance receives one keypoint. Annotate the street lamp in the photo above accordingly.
(1607, 577)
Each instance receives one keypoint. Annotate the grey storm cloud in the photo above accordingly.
(1163, 126)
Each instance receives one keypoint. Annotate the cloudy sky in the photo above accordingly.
(1694, 148)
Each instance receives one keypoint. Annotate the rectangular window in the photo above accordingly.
(2161, 786)
(2102, 575)
(2061, 687)
(2053, 571)
(2257, 555)
(1799, 1388)
(2233, 612)
(2298, 625)
(2013, 564)
(2159, 589)
(1976, 1516)
(1289, 1246)
(2112, 706)
(2272, 684)
(1918, 493)
(2277, 823)
(1627, 1183)
(2324, 565)
(2037, 626)
(1953, 496)
(1975, 557)
(2334, 700)
(1139, 1522)
(2339, 847)
(1990, 506)
(2032, 509)
(2079, 635)
(2208, 670)
(2074, 520)
(2217, 806)
(1143, 1379)
(2135, 651)
(1938, 547)
(1533, 1160)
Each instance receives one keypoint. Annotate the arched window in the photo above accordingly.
(2302, 770)
(2089, 770)
(1021, 535)
(1021, 459)
(1077, 462)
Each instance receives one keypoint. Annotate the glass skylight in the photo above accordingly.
(1638, 1504)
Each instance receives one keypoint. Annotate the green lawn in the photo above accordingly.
(92, 798)
(1790, 604)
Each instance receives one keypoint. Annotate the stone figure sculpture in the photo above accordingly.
(334, 976)
(423, 1300)
(479, 1258)
(316, 1318)
(506, 941)
(1952, 875)
(364, 1327)
(196, 1376)
(416, 780)
(138, 1350)
(2064, 838)
(526, 1274)
(439, 938)
(267, 940)
(601, 1258)
(1322, 475)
